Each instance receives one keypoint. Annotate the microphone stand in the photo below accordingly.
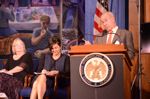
(138, 76)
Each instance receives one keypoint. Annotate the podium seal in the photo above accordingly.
(96, 69)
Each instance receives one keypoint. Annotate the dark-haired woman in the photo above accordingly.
(55, 63)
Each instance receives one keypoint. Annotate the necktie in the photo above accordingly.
(109, 40)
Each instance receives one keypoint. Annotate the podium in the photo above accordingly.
(119, 85)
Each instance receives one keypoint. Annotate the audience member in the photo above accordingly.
(114, 35)
(55, 63)
(18, 65)
(40, 37)
(6, 15)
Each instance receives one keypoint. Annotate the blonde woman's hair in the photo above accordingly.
(15, 42)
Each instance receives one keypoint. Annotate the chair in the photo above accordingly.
(25, 92)
(1, 64)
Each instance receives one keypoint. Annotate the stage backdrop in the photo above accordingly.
(28, 18)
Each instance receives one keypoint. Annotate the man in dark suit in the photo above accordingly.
(114, 35)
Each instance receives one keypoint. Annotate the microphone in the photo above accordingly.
(105, 32)
(97, 35)
(84, 41)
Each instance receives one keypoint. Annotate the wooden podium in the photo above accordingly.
(119, 85)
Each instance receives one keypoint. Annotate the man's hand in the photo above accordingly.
(43, 33)
(87, 43)
(38, 53)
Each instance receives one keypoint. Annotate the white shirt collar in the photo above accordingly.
(114, 30)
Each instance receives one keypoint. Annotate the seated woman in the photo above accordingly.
(55, 63)
(17, 67)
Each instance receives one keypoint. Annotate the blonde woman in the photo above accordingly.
(17, 67)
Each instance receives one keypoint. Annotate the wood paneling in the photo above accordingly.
(134, 26)
(134, 21)
(145, 76)
(146, 11)
(5, 43)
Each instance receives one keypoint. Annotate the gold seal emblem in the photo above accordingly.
(96, 69)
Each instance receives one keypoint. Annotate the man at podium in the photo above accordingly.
(113, 35)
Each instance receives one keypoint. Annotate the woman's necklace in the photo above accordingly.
(55, 57)
(16, 57)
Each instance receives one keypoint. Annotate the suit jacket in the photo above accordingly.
(121, 36)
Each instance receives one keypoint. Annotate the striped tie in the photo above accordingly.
(109, 40)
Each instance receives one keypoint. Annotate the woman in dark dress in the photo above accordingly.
(55, 63)
(17, 67)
